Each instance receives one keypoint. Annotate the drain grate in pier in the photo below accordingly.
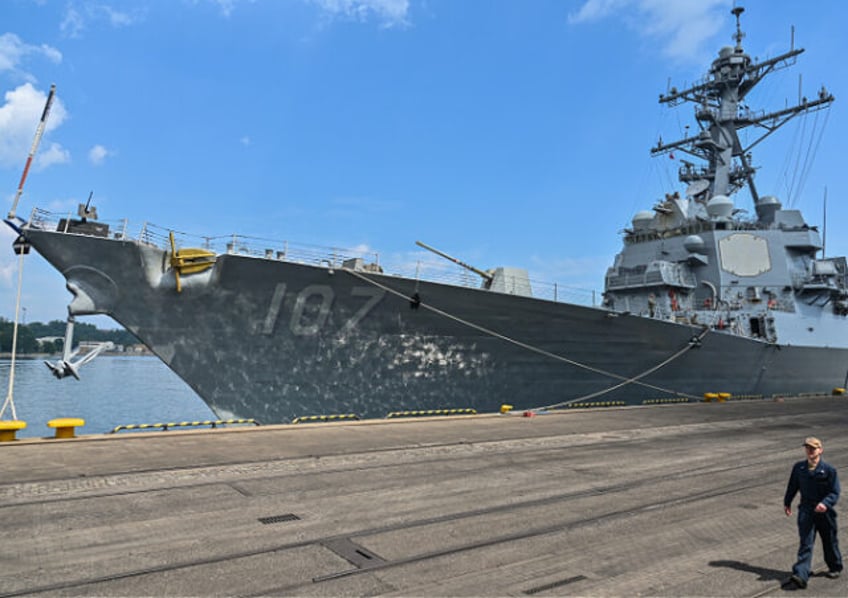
(554, 584)
(279, 518)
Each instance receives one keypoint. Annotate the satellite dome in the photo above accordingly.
(693, 244)
(720, 206)
(642, 220)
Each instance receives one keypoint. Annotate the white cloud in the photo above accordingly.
(363, 249)
(97, 154)
(681, 26)
(77, 18)
(19, 118)
(53, 153)
(594, 10)
(72, 24)
(390, 13)
(118, 18)
(13, 51)
(226, 7)
(51, 53)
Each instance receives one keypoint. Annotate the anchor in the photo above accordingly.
(65, 366)
(189, 261)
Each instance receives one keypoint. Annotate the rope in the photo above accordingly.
(810, 158)
(10, 400)
(39, 131)
(624, 381)
(692, 343)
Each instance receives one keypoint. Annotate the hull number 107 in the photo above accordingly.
(311, 309)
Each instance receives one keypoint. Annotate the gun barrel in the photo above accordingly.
(488, 277)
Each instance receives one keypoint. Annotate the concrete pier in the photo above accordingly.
(663, 501)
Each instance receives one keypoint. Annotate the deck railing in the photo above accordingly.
(415, 264)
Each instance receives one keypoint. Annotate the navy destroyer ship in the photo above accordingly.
(705, 296)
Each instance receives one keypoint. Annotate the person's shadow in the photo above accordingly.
(765, 574)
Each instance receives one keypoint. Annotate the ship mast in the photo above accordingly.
(720, 116)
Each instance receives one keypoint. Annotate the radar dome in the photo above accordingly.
(767, 206)
(693, 244)
(720, 206)
(642, 220)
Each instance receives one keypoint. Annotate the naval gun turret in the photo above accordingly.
(513, 281)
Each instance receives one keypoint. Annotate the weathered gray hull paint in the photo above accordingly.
(276, 340)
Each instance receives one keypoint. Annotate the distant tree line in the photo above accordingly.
(28, 333)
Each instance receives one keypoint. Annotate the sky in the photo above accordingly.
(504, 132)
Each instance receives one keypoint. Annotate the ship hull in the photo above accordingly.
(275, 340)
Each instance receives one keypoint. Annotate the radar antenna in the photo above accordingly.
(739, 36)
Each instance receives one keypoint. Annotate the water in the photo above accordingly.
(113, 391)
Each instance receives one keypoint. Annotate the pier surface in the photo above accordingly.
(676, 500)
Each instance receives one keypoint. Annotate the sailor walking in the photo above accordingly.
(818, 483)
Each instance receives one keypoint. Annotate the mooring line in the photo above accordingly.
(10, 396)
(692, 343)
(624, 380)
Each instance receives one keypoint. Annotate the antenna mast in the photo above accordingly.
(824, 223)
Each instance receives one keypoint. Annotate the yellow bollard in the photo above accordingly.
(723, 396)
(838, 391)
(8, 429)
(65, 426)
(506, 408)
(710, 396)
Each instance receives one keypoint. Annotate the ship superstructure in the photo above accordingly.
(699, 258)
(702, 298)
